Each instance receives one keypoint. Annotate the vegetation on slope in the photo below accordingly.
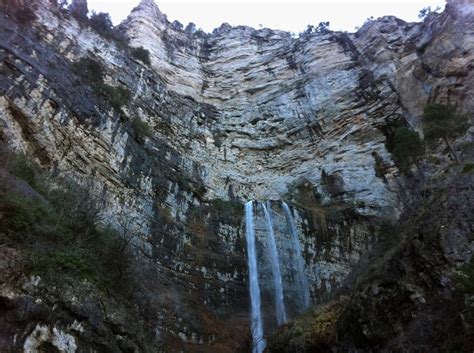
(408, 148)
(410, 294)
(92, 72)
(58, 228)
(411, 297)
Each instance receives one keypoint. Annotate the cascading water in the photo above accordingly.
(256, 323)
(302, 280)
(279, 302)
(259, 342)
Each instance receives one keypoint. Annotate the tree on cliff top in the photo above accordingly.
(102, 23)
(79, 9)
(323, 27)
(424, 12)
(441, 122)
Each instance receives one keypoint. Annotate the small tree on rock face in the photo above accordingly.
(101, 22)
(141, 54)
(142, 129)
(407, 149)
(441, 122)
(89, 69)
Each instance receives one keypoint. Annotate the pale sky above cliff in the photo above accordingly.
(287, 15)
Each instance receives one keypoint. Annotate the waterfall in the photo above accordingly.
(256, 322)
(280, 305)
(302, 280)
(259, 342)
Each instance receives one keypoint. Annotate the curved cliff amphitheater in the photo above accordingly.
(168, 190)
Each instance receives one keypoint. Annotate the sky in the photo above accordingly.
(292, 16)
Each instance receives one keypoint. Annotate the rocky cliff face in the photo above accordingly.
(235, 115)
(414, 297)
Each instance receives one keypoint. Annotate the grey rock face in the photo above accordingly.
(276, 114)
(406, 295)
(236, 115)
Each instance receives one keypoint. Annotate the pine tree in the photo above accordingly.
(408, 149)
(441, 122)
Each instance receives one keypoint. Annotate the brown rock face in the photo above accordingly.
(176, 147)
(411, 297)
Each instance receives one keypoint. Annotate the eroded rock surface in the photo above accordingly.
(237, 114)
(409, 297)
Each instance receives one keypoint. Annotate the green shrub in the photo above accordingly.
(441, 122)
(73, 199)
(464, 278)
(117, 96)
(93, 72)
(407, 148)
(141, 129)
(60, 242)
(79, 10)
(102, 260)
(25, 216)
(141, 54)
(101, 23)
(464, 283)
(380, 166)
(89, 69)
(73, 262)
(389, 235)
(468, 168)
(228, 210)
(59, 231)
(26, 169)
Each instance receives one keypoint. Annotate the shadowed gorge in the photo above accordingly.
(168, 190)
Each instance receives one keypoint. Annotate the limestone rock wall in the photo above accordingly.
(236, 115)
(277, 117)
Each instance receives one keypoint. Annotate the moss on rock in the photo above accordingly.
(315, 331)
